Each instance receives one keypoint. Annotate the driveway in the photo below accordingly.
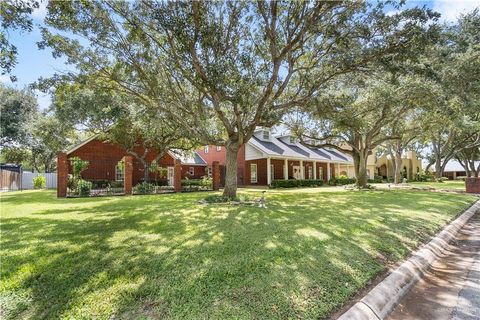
(451, 288)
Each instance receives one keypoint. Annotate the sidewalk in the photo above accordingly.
(451, 288)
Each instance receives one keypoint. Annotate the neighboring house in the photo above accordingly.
(104, 158)
(411, 165)
(453, 169)
(265, 158)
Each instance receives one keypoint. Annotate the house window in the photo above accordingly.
(205, 149)
(253, 173)
(309, 172)
(191, 171)
(272, 172)
(266, 135)
(219, 148)
(320, 173)
(209, 171)
(119, 171)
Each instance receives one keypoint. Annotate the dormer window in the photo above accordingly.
(205, 149)
(266, 135)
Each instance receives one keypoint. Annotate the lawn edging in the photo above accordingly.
(383, 298)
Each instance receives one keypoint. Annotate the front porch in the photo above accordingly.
(264, 171)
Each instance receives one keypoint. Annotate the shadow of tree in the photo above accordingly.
(167, 257)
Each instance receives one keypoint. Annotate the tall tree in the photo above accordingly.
(356, 116)
(17, 108)
(225, 67)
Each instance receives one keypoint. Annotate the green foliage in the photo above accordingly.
(144, 188)
(83, 188)
(295, 183)
(18, 108)
(376, 179)
(462, 178)
(104, 183)
(205, 183)
(39, 182)
(78, 165)
(341, 181)
(216, 198)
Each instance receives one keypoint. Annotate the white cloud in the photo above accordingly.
(451, 9)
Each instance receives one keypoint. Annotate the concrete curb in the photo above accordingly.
(382, 299)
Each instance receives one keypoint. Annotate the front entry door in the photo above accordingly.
(296, 172)
(170, 175)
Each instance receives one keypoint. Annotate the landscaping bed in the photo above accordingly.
(302, 256)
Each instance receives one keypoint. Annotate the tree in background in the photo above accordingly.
(454, 122)
(18, 108)
(220, 69)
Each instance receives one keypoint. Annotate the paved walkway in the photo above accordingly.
(451, 289)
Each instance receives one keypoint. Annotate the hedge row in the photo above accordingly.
(296, 183)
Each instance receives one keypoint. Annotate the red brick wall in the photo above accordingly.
(472, 185)
(261, 171)
(324, 166)
(199, 172)
(104, 156)
(220, 156)
(332, 169)
(278, 169)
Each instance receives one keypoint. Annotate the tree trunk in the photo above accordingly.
(438, 168)
(360, 163)
(230, 189)
(398, 168)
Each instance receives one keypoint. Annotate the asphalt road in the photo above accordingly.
(451, 288)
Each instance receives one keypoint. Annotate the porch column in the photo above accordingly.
(328, 171)
(302, 170)
(62, 175)
(285, 169)
(338, 169)
(128, 175)
(269, 171)
(315, 170)
(177, 176)
(215, 175)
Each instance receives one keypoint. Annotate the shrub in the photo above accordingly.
(296, 183)
(341, 181)
(207, 182)
(100, 183)
(72, 182)
(116, 184)
(219, 199)
(191, 182)
(78, 165)
(83, 187)
(376, 179)
(144, 188)
(463, 178)
(39, 182)
(441, 179)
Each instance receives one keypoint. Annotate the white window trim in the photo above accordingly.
(253, 165)
(191, 171)
(219, 148)
(272, 172)
(266, 135)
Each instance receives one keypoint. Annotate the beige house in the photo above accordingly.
(383, 166)
(411, 165)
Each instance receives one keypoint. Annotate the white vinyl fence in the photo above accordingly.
(27, 179)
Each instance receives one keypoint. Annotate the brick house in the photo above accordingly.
(265, 158)
(104, 157)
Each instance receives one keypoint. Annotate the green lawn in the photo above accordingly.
(456, 185)
(164, 256)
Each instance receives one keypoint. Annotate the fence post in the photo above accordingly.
(62, 175)
(177, 176)
(472, 185)
(128, 175)
(216, 175)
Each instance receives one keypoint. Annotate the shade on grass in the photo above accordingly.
(164, 256)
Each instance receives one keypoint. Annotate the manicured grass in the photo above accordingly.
(165, 256)
(445, 185)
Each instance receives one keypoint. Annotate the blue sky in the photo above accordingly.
(34, 63)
